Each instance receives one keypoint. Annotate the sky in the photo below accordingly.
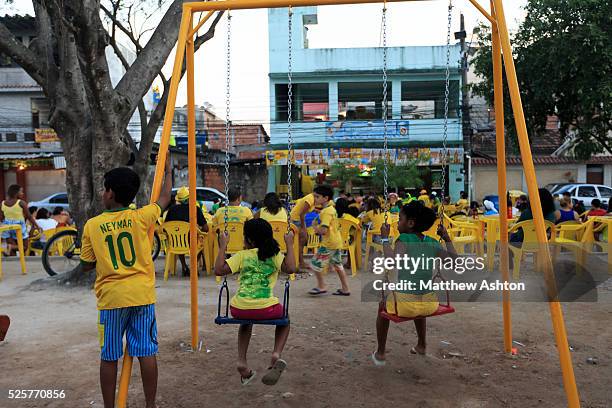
(409, 24)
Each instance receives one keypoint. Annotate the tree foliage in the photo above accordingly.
(563, 56)
(345, 172)
(399, 176)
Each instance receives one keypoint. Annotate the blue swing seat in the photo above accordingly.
(226, 319)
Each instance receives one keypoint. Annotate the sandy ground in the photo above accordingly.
(52, 344)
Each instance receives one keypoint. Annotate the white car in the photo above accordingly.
(208, 195)
(585, 192)
(52, 202)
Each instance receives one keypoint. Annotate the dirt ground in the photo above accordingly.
(52, 344)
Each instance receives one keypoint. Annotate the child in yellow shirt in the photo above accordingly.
(329, 253)
(258, 266)
(235, 212)
(116, 243)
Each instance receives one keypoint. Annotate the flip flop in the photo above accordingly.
(247, 381)
(339, 292)
(377, 362)
(274, 372)
(316, 292)
(5, 322)
(414, 351)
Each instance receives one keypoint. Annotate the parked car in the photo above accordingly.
(207, 195)
(51, 202)
(585, 192)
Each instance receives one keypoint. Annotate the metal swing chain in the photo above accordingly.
(384, 110)
(290, 148)
(446, 101)
(227, 113)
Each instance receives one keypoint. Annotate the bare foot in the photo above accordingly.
(245, 372)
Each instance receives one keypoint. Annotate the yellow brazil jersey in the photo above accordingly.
(425, 199)
(257, 279)
(235, 213)
(281, 215)
(462, 204)
(329, 219)
(304, 202)
(118, 243)
(14, 212)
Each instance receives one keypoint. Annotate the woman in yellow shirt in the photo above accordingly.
(272, 210)
(374, 215)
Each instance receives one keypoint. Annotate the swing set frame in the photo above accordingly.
(502, 49)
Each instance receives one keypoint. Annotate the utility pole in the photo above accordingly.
(461, 35)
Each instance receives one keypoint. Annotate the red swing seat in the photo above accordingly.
(442, 308)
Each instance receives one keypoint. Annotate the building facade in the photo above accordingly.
(337, 105)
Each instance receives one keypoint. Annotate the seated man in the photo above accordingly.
(180, 212)
(235, 212)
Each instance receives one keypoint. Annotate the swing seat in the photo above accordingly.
(442, 310)
(227, 319)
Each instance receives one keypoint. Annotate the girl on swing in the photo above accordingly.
(258, 265)
(414, 219)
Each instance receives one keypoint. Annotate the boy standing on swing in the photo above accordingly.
(116, 243)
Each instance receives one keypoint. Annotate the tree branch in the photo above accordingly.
(23, 56)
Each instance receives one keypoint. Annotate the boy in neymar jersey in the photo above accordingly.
(116, 243)
(235, 212)
(329, 254)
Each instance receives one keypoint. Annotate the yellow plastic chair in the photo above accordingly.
(279, 229)
(464, 233)
(530, 244)
(177, 233)
(350, 232)
(36, 238)
(313, 242)
(581, 240)
(370, 244)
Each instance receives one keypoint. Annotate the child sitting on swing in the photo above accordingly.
(414, 219)
(258, 266)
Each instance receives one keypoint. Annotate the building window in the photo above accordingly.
(425, 100)
(362, 101)
(595, 174)
(29, 137)
(11, 137)
(310, 102)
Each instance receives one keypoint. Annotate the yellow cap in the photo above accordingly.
(182, 194)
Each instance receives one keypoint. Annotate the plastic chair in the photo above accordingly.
(463, 233)
(235, 244)
(279, 229)
(313, 241)
(370, 244)
(36, 238)
(530, 243)
(350, 232)
(177, 233)
(578, 238)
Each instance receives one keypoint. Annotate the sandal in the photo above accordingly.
(377, 362)
(316, 292)
(274, 372)
(339, 292)
(247, 380)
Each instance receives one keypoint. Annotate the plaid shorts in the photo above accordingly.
(326, 257)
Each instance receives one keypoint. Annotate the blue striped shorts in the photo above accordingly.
(140, 329)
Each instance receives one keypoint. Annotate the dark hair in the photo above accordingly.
(423, 217)
(325, 191)
(596, 203)
(373, 205)
(463, 195)
(124, 182)
(33, 209)
(57, 210)
(547, 201)
(42, 214)
(272, 203)
(474, 205)
(13, 190)
(258, 233)
(353, 211)
(233, 194)
(565, 193)
(342, 206)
